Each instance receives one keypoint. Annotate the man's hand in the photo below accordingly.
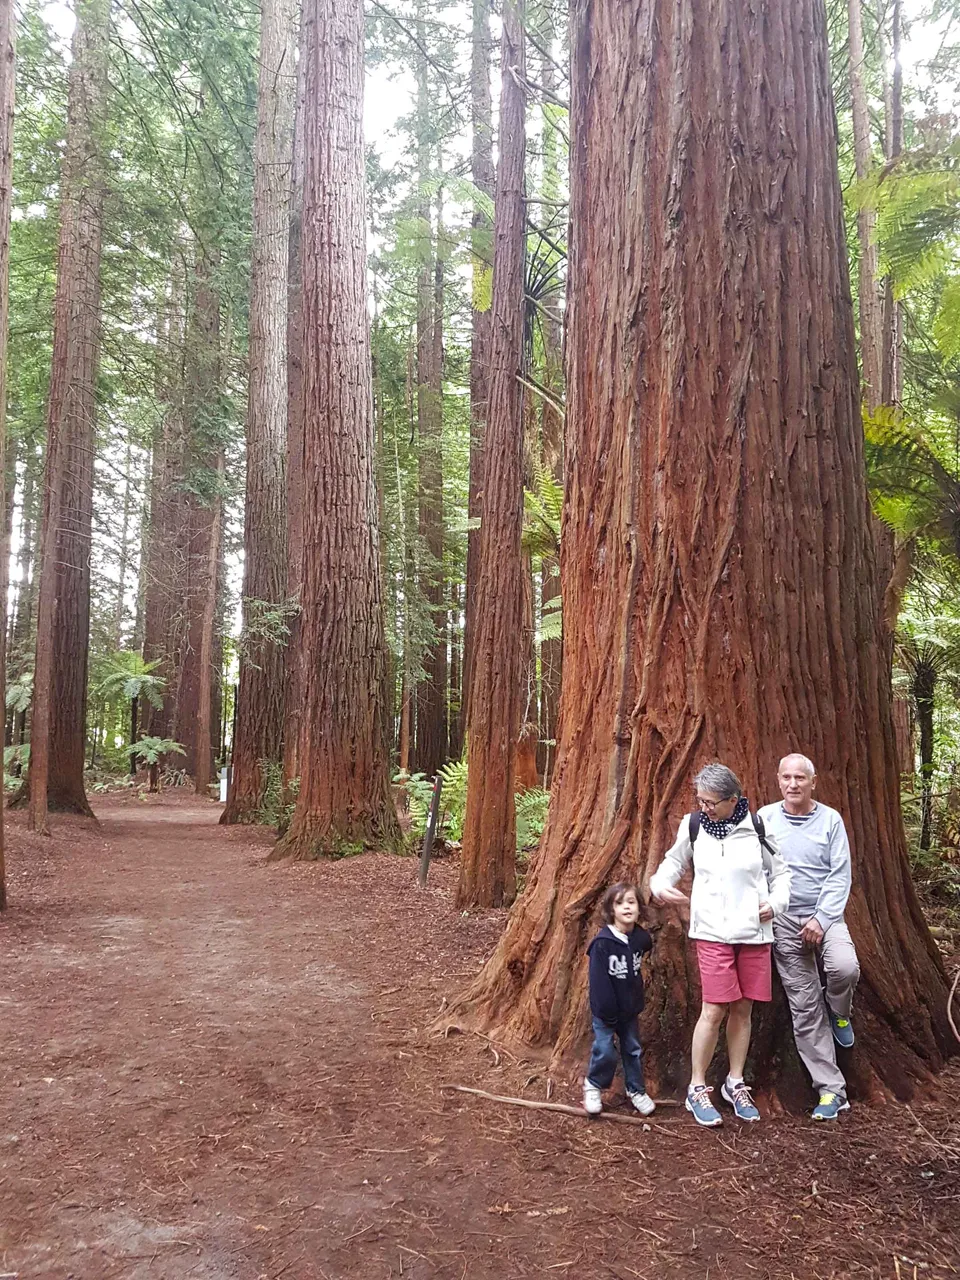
(811, 935)
(766, 912)
(671, 897)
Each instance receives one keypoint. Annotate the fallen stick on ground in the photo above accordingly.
(953, 992)
(558, 1106)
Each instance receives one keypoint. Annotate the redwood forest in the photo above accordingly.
(481, 517)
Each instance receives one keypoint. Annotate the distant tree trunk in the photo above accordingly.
(924, 689)
(904, 727)
(719, 583)
(455, 748)
(344, 801)
(134, 706)
(57, 739)
(7, 68)
(482, 172)
(488, 864)
(871, 331)
(431, 730)
(891, 373)
(293, 664)
(123, 558)
(260, 699)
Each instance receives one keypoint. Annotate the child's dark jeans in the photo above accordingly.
(604, 1055)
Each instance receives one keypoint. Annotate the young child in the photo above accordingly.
(616, 998)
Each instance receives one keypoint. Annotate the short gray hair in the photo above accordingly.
(804, 760)
(719, 781)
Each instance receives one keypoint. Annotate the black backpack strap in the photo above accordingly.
(694, 826)
(761, 832)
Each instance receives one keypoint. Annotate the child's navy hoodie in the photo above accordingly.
(616, 983)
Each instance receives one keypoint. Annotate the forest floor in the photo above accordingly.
(214, 1067)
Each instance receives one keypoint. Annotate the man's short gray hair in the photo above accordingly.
(719, 781)
(807, 763)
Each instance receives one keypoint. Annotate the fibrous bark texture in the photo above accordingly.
(488, 865)
(719, 588)
(868, 294)
(260, 697)
(7, 64)
(344, 800)
(63, 608)
(482, 172)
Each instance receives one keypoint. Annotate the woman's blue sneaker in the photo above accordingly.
(701, 1108)
(842, 1030)
(830, 1106)
(738, 1095)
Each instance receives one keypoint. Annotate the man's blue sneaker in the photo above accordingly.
(842, 1029)
(738, 1095)
(701, 1108)
(830, 1106)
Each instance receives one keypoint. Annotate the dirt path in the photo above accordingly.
(213, 1067)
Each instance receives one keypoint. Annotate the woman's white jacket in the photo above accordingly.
(731, 877)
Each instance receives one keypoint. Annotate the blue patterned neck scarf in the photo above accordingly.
(719, 830)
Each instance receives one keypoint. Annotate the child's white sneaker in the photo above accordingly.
(592, 1102)
(643, 1102)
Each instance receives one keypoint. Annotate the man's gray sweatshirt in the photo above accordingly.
(816, 849)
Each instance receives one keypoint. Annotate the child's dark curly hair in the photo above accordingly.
(615, 894)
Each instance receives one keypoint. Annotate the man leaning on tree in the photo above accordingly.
(811, 933)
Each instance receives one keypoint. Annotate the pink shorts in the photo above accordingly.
(734, 971)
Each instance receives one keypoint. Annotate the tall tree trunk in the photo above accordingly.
(260, 699)
(344, 801)
(293, 663)
(63, 608)
(869, 298)
(924, 688)
(123, 558)
(7, 66)
(719, 586)
(481, 170)
(431, 731)
(488, 864)
(456, 673)
(891, 388)
(209, 651)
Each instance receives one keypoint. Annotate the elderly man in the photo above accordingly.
(813, 842)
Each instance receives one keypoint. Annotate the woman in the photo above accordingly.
(740, 883)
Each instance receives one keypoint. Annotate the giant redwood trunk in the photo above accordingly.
(488, 864)
(482, 172)
(63, 608)
(719, 588)
(7, 62)
(868, 293)
(260, 699)
(344, 802)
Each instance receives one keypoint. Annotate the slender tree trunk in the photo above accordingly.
(431, 730)
(260, 699)
(488, 864)
(57, 745)
(7, 67)
(134, 707)
(123, 559)
(293, 665)
(891, 388)
(719, 581)
(344, 801)
(209, 665)
(869, 298)
(456, 673)
(482, 172)
(924, 696)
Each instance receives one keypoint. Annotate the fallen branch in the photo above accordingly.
(953, 992)
(557, 1106)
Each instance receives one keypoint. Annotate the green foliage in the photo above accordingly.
(275, 809)
(151, 750)
(20, 692)
(126, 676)
(532, 806)
(264, 623)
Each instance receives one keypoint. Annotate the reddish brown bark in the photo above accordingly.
(63, 608)
(488, 864)
(891, 380)
(719, 584)
(868, 293)
(7, 66)
(482, 172)
(259, 720)
(344, 800)
(294, 469)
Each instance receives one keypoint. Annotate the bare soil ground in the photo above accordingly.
(217, 1068)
